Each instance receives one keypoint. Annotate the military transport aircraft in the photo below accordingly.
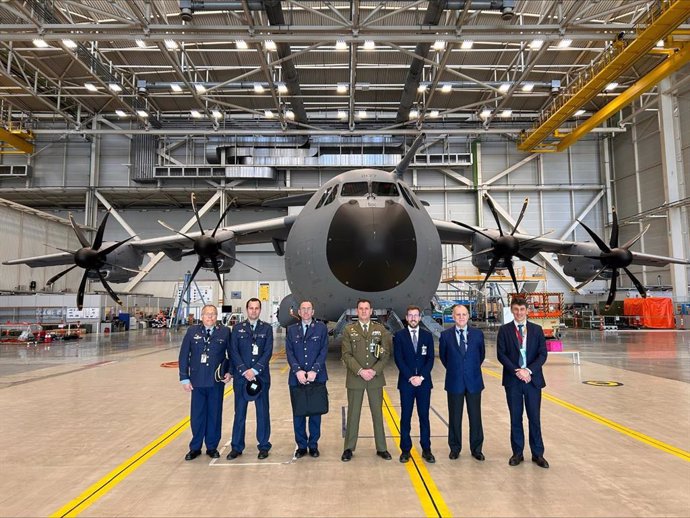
(364, 233)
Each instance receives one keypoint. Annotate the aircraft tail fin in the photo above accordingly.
(405, 162)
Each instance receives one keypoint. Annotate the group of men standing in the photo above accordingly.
(366, 348)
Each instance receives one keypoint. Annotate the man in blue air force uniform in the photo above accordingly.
(251, 348)
(413, 351)
(306, 347)
(203, 372)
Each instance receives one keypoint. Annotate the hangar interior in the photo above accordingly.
(130, 107)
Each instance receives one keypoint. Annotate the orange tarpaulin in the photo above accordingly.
(654, 312)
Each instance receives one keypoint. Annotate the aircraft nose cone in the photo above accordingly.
(370, 248)
(87, 258)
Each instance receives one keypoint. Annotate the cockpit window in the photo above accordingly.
(408, 197)
(328, 196)
(384, 189)
(355, 189)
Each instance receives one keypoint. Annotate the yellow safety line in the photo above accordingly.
(429, 495)
(96, 491)
(681, 454)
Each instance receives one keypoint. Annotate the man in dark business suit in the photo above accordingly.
(413, 351)
(461, 350)
(521, 349)
(306, 348)
(203, 371)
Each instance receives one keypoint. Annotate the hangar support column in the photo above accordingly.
(674, 188)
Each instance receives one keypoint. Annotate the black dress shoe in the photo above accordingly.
(384, 455)
(428, 456)
(233, 454)
(516, 459)
(262, 454)
(478, 455)
(540, 461)
(405, 456)
(314, 452)
(346, 456)
(453, 455)
(300, 452)
(192, 454)
(214, 454)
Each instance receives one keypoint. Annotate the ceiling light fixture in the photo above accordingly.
(171, 45)
(362, 114)
(216, 114)
(611, 86)
(282, 88)
(241, 45)
(141, 44)
(120, 113)
(414, 114)
(433, 114)
(369, 45)
(421, 89)
(40, 43)
(201, 89)
(342, 114)
(341, 88)
(341, 45)
(196, 114)
(579, 113)
(506, 113)
(504, 87)
(446, 88)
(485, 113)
(564, 44)
(175, 87)
(90, 87)
(70, 44)
(114, 87)
(290, 114)
(270, 45)
(466, 44)
(536, 44)
(142, 113)
(258, 88)
(268, 114)
(528, 87)
(439, 45)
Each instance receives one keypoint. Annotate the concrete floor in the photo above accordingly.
(97, 427)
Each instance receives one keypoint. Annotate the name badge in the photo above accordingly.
(255, 350)
(423, 350)
(204, 358)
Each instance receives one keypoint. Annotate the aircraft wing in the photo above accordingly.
(44, 260)
(246, 233)
(452, 234)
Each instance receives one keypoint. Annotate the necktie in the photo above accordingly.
(414, 339)
(523, 350)
(304, 330)
(208, 335)
(365, 328)
(463, 342)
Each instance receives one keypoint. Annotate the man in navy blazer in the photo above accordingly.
(306, 348)
(521, 349)
(413, 351)
(461, 350)
(203, 372)
(251, 348)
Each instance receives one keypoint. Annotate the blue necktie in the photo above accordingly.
(461, 341)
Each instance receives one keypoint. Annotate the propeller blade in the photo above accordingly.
(56, 277)
(196, 214)
(82, 287)
(486, 250)
(62, 249)
(511, 270)
(464, 225)
(596, 274)
(188, 253)
(217, 272)
(134, 270)
(492, 267)
(237, 260)
(107, 287)
(525, 258)
(80, 235)
(222, 217)
(522, 214)
(613, 241)
(196, 270)
(612, 289)
(495, 213)
(106, 251)
(176, 231)
(98, 241)
(602, 246)
(641, 289)
(636, 238)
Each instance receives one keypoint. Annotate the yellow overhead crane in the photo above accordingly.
(617, 59)
(17, 139)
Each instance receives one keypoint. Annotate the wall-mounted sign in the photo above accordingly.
(83, 314)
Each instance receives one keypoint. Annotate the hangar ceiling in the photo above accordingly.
(303, 66)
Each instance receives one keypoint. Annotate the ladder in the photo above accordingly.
(181, 307)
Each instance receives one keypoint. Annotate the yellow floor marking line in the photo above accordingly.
(429, 495)
(667, 448)
(96, 491)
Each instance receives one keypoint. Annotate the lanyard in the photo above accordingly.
(520, 338)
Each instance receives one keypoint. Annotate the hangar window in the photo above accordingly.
(355, 189)
(384, 189)
(328, 196)
(408, 197)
